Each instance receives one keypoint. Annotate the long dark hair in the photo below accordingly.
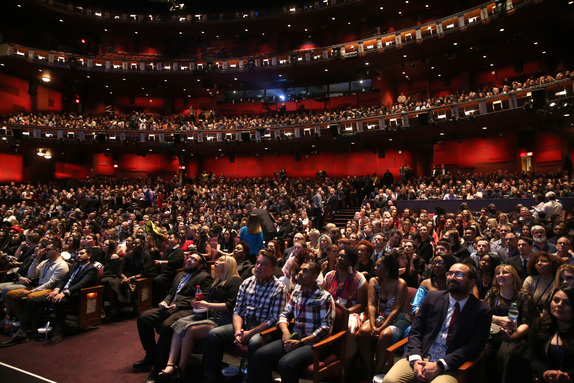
(549, 325)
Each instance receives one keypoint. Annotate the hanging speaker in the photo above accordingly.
(177, 138)
(101, 138)
(423, 119)
(334, 130)
(232, 157)
(381, 153)
(539, 98)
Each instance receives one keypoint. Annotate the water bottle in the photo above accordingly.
(198, 294)
(513, 313)
(8, 325)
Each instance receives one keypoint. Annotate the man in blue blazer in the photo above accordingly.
(450, 328)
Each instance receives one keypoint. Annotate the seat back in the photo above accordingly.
(213, 242)
(410, 296)
(341, 318)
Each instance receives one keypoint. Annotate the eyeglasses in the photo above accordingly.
(438, 263)
(455, 274)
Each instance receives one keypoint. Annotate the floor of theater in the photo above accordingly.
(98, 355)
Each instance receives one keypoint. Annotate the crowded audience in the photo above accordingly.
(505, 273)
(212, 120)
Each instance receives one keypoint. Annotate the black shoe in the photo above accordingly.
(145, 363)
(16, 339)
(56, 337)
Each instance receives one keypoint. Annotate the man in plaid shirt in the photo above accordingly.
(259, 302)
(314, 312)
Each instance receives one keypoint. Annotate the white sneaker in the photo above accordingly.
(378, 378)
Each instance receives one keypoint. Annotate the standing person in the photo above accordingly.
(176, 305)
(317, 209)
(267, 224)
(312, 309)
(259, 302)
(220, 303)
(450, 328)
(252, 235)
(551, 341)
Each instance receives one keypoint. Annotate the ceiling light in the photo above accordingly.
(46, 78)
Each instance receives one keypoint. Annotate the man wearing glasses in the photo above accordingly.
(48, 272)
(450, 328)
(82, 274)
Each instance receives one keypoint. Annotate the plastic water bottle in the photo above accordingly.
(513, 313)
(198, 294)
(8, 325)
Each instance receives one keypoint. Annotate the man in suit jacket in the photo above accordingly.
(450, 328)
(82, 274)
(520, 262)
(176, 305)
(167, 266)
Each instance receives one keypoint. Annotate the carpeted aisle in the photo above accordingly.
(100, 355)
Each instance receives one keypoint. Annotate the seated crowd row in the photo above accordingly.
(211, 120)
(515, 278)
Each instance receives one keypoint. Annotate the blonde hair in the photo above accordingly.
(569, 268)
(516, 280)
(229, 271)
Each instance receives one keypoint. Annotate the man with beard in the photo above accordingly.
(450, 328)
(540, 243)
(312, 309)
(176, 305)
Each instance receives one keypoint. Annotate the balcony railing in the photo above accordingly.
(141, 63)
(558, 93)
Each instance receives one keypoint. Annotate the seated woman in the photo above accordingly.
(347, 286)
(486, 266)
(441, 263)
(220, 303)
(564, 276)
(506, 347)
(407, 269)
(551, 341)
(387, 295)
(226, 244)
(541, 272)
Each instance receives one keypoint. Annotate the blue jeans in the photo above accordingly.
(288, 364)
(218, 339)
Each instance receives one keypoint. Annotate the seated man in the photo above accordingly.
(259, 302)
(49, 271)
(313, 310)
(83, 274)
(450, 328)
(176, 305)
(171, 260)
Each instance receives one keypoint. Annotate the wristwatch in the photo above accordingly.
(440, 365)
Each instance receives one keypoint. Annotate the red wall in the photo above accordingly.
(70, 171)
(14, 97)
(11, 168)
(470, 152)
(335, 164)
